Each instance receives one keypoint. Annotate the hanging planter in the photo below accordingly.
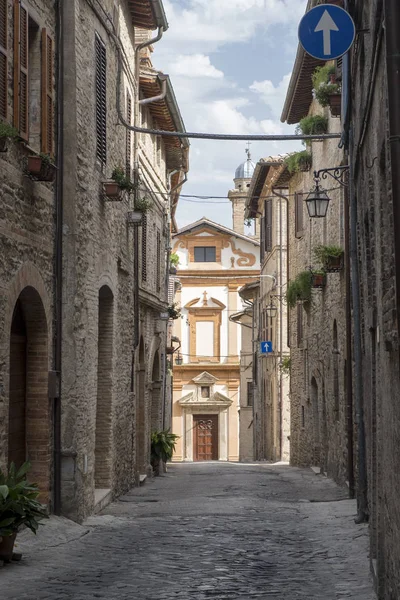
(173, 270)
(313, 125)
(318, 279)
(299, 289)
(335, 105)
(112, 190)
(330, 257)
(299, 161)
(41, 168)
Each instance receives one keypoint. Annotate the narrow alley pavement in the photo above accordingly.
(212, 530)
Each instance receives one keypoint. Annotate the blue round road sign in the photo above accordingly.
(327, 32)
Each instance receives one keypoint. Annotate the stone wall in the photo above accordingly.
(27, 243)
(98, 255)
(380, 357)
(318, 411)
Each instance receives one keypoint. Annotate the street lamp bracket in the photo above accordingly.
(339, 174)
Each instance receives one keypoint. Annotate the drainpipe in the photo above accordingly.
(282, 197)
(160, 96)
(58, 261)
(392, 24)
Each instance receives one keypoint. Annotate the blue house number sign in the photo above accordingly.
(327, 32)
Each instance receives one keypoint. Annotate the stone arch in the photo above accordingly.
(29, 413)
(141, 421)
(156, 395)
(105, 348)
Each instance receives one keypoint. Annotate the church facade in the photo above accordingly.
(214, 263)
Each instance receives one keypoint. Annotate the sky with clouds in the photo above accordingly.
(230, 63)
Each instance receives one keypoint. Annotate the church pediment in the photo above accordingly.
(205, 379)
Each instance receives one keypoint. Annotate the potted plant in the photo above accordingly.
(299, 161)
(299, 290)
(174, 262)
(18, 507)
(330, 257)
(41, 167)
(327, 90)
(312, 125)
(318, 279)
(173, 311)
(162, 448)
(120, 182)
(143, 204)
(7, 132)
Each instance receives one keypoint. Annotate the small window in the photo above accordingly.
(303, 417)
(250, 393)
(299, 215)
(205, 391)
(205, 254)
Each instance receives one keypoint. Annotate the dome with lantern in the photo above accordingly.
(244, 171)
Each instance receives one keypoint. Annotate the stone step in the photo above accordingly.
(142, 479)
(102, 498)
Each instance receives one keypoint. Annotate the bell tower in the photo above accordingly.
(238, 195)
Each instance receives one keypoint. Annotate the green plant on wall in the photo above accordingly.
(143, 204)
(312, 125)
(174, 259)
(8, 131)
(299, 289)
(324, 253)
(174, 311)
(119, 176)
(299, 161)
(323, 84)
(285, 365)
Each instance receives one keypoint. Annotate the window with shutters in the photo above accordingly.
(205, 254)
(33, 81)
(299, 324)
(128, 134)
(250, 393)
(268, 225)
(299, 215)
(47, 100)
(3, 59)
(158, 274)
(101, 100)
(144, 247)
(262, 239)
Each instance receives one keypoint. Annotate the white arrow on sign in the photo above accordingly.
(327, 24)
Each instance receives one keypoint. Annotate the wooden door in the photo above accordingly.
(206, 437)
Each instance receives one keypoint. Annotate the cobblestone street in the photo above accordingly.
(221, 531)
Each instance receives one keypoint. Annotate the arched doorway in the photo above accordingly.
(316, 432)
(29, 407)
(156, 400)
(141, 422)
(103, 444)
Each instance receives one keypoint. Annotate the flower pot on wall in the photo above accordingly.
(318, 280)
(41, 169)
(7, 547)
(112, 190)
(173, 270)
(334, 264)
(335, 104)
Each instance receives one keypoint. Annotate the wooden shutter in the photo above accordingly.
(101, 100)
(21, 81)
(47, 97)
(268, 226)
(128, 134)
(144, 247)
(262, 237)
(3, 59)
(158, 274)
(299, 218)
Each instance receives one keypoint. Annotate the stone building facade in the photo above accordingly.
(27, 239)
(114, 337)
(85, 270)
(375, 165)
(317, 329)
(271, 382)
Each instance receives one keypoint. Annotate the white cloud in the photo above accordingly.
(195, 65)
(273, 96)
